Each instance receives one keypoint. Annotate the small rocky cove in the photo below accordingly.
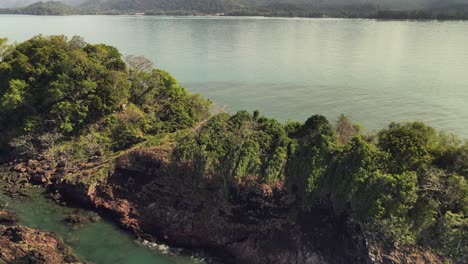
(36, 229)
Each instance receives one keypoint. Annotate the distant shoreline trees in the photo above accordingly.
(236, 8)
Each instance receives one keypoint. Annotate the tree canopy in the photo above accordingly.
(50, 82)
(61, 85)
(406, 183)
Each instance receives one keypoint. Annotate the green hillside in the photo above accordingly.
(43, 8)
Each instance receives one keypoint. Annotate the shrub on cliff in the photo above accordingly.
(452, 229)
(238, 146)
(310, 151)
(408, 146)
(356, 178)
(159, 94)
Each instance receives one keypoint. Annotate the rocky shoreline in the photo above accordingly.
(254, 223)
(20, 244)
(160, 200)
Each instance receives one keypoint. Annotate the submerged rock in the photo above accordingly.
(3, 203)
(8, 217)
(19, 244)
(38, 179)
(78, 218)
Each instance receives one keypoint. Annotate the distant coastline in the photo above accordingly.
(55, 8)
(395, 18)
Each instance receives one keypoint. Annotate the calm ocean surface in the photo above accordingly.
(373, 71)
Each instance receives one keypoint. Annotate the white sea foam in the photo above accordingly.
(166, 250)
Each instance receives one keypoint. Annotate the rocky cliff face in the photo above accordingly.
(236, 222)
(403, 254)
(244, 222)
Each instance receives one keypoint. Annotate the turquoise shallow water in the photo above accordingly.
(373, 71)
(100, 243)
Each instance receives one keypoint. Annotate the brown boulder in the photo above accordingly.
(19, 244)
(8, 217)
(38, 179)
(19, 167)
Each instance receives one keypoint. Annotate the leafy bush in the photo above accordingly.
(172, 107)
(453, 235)
(308, 156)
(408, 146)
(47, 83)
(238, 146)
(80, 149)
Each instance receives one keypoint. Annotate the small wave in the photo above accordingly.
(167, 250)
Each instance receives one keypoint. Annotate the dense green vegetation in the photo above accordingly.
(297, 8)
(65, 97)
(52, 89)
(407, 183)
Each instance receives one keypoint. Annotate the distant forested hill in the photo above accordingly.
(24, 3)
(194, 6)
(385, 9)
(305, 8)
(43, 8)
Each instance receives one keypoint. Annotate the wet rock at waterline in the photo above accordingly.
(78, 218)
(8, 217)
(19, 244)
(3, 203)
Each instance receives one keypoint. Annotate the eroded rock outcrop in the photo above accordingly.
(245, 222)
(8, 217)
(19, 244)
(403, 254)
(242, 222)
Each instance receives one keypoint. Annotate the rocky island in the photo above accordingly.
(99, 131)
